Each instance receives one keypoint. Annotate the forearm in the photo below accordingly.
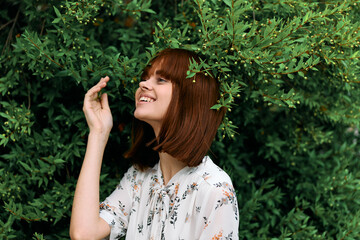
(85, 212)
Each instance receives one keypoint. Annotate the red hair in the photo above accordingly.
(189, 126)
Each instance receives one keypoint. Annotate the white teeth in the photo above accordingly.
(146, 99)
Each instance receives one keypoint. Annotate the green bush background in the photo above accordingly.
(289, 72)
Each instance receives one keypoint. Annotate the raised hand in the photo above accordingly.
(97, 110)
(85, 220)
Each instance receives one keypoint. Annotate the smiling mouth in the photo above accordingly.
(146, 99)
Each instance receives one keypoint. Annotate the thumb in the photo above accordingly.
(105, 101)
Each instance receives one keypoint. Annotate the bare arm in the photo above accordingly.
(85, 221)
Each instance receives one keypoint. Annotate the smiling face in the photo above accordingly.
(179, 110)
(152, 100)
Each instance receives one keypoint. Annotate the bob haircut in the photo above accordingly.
(189, 125)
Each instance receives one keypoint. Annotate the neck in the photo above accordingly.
(169, 166)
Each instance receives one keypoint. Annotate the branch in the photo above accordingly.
(285, 73)
(45, 53)
(23, 218)
(3, 26)
(288, 60)
(8, 40)
(29, 94)
(348, 233)
(42, 27)
(204, 25)
(275, 98)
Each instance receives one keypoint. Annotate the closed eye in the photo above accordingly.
(162, 80)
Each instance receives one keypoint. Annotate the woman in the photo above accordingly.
(173, 190)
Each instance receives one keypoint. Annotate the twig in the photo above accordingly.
(45, 53)
(28, 93)
(23, 218)
(175, 7)
(6, 24)
(285, 61)
(204, 25)
(348, 233)
(8, 40)
(42, 27)
(284, 73)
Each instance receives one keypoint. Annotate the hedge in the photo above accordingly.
(289, 73)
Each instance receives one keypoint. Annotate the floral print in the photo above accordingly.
(197, 203)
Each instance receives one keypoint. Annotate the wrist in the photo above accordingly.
(99, 135)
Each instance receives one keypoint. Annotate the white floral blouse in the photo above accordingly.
(197, 203)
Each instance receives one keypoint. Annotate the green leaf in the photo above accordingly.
(56, 20)
(26, 166)
(216, 106)
(148, 10)
(57, 12)
(4, 115)
(58, 161)
(228, 2)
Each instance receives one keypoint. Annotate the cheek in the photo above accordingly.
(167, 104)
(170, 94)
(137, 95)
(169, 99)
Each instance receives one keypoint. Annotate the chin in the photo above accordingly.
(153, 122)
(138, 115)
(141, 116)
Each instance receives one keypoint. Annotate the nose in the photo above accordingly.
(145, 85)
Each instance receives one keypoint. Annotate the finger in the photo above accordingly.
(106, 79)
(97, 88)
(102, 83)
(92, 92)
(105, 101)
(103, 80)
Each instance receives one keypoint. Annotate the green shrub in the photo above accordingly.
(289, 75)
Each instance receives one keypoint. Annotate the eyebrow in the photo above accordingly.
(159, 73)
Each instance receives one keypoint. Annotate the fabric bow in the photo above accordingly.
(159, 201)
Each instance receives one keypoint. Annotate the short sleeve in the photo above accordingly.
(221, 217)
(115, 209)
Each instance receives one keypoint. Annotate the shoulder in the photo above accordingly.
(215, 182)
(133, 174)
(213, 175)
(216, 188)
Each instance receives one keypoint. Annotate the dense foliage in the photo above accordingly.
(289, 72)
